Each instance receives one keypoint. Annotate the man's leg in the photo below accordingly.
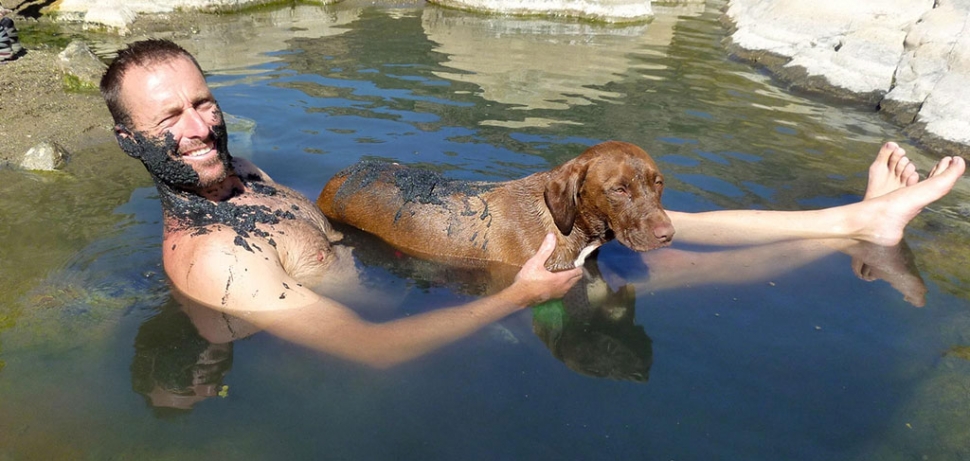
(893, 198)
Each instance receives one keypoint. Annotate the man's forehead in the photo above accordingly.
(152, 80)
(147, 68)
(150, 90)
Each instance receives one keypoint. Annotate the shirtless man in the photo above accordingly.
(240, 243)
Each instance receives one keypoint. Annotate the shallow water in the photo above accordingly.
(790, 357)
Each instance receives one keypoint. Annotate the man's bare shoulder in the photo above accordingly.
(203, 250)
(216, 267)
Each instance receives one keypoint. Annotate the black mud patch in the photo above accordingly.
(159, 155)
(415, 185)
(190, 211)
(177, 182)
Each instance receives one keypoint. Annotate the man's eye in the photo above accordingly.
(167, 121)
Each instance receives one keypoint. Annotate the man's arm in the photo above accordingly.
(254, 287)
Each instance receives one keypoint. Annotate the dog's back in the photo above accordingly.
(418, 211)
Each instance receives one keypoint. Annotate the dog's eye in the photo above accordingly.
(659, 181)
(620, 193)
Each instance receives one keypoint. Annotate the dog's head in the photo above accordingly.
(613, 186)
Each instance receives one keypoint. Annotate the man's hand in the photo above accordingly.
(538, 284)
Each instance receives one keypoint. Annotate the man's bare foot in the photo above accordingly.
(885, 217)
(890, 171)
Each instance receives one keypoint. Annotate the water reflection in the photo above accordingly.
(593, 330)
(239, 45)
(681, 266)
(243, 44)
(535, 63)
(174, 366)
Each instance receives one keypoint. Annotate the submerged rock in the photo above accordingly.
(46, 156)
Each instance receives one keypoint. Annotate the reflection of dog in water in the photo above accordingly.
(174, 367)
(592, 330)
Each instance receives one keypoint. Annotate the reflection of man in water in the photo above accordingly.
(240, 243)
(174, 367)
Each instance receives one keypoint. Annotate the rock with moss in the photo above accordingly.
(81, 67)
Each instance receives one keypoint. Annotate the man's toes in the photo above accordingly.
(940, 166)
(886, 150)
(910, 176)
(902, 164)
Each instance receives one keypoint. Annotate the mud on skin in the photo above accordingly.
(416, 185)
(159, 156)
(190, 210)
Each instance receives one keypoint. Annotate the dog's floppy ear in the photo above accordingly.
(562, 193)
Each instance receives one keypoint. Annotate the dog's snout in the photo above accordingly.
(664, 232)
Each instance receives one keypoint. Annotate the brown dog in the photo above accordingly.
(612, 190)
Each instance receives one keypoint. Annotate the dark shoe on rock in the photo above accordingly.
(10, 46)
(6, 47)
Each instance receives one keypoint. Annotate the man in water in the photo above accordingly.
(239, 243)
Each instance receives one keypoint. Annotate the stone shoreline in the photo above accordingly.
(909, 59)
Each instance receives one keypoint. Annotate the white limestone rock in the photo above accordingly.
(909, 57)
(854, 45)
(932, 81)
(119, 14)
(46, 156)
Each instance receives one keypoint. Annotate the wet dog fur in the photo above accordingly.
(612, 190)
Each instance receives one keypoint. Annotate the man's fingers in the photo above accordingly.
(545, 250)
(548, 244)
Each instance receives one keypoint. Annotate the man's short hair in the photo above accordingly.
(138, 54)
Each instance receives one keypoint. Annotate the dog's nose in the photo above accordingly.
(664, 232)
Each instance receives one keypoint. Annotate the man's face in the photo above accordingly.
(177, 128)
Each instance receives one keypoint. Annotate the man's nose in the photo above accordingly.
(195, 124)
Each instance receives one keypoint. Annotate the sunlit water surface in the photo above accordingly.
(807, 362)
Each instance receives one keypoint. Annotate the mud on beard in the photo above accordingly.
(159, 155)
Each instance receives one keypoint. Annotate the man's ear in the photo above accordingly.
(126, 139)
(122, 131)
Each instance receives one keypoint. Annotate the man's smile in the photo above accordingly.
(199, 152)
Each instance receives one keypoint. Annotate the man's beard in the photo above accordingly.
(160, 156)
